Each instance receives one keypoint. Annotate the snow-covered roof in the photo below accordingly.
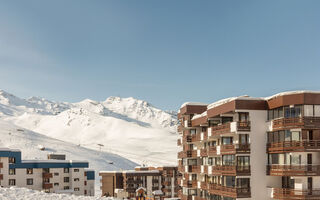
(12, 150)
(193, 104)
(291, 92)
(53, 161)
(227, 100)
(200, 115)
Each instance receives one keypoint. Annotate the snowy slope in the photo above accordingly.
(14, 193)
(125, 126)
(15, 137)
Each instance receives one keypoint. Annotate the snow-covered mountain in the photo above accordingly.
(28, 142)
(128, 127)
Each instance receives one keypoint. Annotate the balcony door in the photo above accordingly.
(287, 182)
(310, 185)
(309, 161)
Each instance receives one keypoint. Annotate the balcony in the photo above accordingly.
(244, 126)
(231, 170)
(212, 151)
(193, 169)
(203, 153)
(204, 185)
(235, 149)
(47, 185)
(293, 170)
(297, 122)
(285, 193)
(180, 128)
(230, 191)
(46, 175)
(293, 146)
(190, 184)
(221, 129)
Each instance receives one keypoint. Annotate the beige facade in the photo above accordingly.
(54, 176)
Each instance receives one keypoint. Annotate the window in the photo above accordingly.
(46, 180)
(66, 179)
(66, 188)
(243, 117)
(85, 182)
(244, 139)
(270, 114)
(76, 179)
(29, 171)
(308, 111)
(76, 170)
(76, 189)
(56, 184)
(29, 181)
(243, 182)
(12, 171)
(317, 110)
(12, 160)
(66, 170)
(46, 170)
(226, 140)
(12, 182)
(243, 160)
(230, 181)
(56, 174)
(192, 131)
(228, 160)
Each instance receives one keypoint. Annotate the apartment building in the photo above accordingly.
(158, 183)
(251, 148)
(52, 176)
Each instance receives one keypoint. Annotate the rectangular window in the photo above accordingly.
(66, 179)
(228, 160)
(66, 188)
(76, 189)
(12, 160)
(270, 115)
(308, 111)
(29, 181)
(56, 184)
(66, 170)
(56, 174)
(243, 117)
(280, 112)
(192, 131)
(12, 182)
(12, 171)
(76, 179)
(29, 171)
(46, 170)
(317, 110)
(226, 140)
(296, 136)
(243, 182)
(76, 170)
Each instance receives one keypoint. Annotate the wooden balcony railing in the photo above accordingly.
(293, 146)
(296, 122)
(46, 175)
(203, 152)
(243, 126)
(293, 170)
(194, 168)
(180, 128)
(182, 154)
(232, 192)
(285, 193)
(221, 129)
(235, 148)
(212, 151)
(47, 185)
(231, 170)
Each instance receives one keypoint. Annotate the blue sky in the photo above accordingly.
(166, 52)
